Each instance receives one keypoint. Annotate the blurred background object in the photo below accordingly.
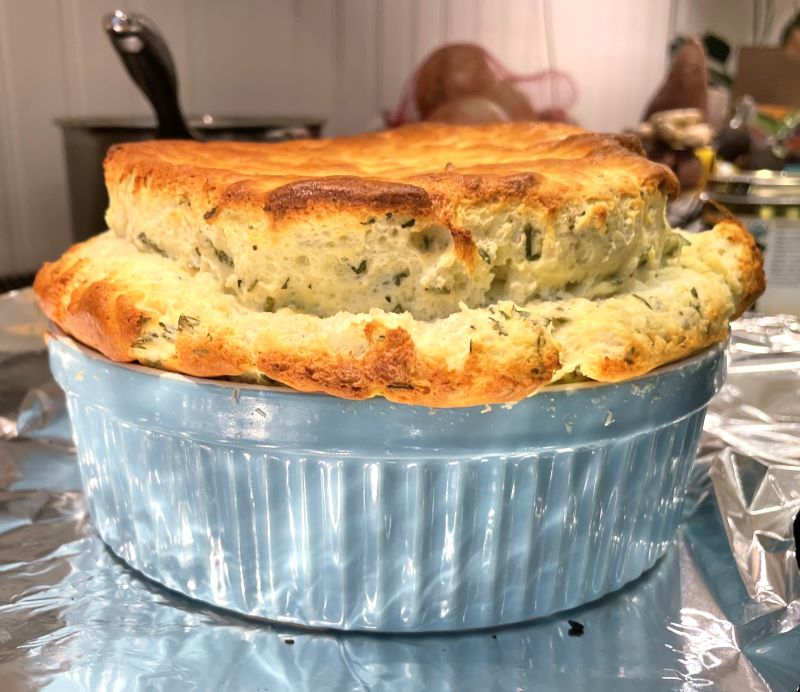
(768, 204)
(345, 62)
(675, 122)
(463, 83)
(686, 83)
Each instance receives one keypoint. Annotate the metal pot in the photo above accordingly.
(87, 139)
(148, 61)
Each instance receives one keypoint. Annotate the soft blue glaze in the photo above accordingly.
(369, 515)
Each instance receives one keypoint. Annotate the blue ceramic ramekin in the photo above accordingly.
(368, 515)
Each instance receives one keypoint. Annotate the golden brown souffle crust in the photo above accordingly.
(432, 264)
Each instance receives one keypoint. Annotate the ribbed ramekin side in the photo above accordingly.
(384, 544)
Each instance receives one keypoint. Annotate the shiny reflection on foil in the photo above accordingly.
(756, 472)
(72, 616)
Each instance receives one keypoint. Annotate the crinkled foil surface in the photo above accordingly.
(721, 610)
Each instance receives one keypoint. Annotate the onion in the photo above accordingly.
(469, 110)
(506, 95)
(452, 71)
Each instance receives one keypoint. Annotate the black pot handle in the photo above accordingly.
(146, 57)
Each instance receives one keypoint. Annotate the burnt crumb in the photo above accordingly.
(576, 629)
(286, 283)
(369, 221)
(484, 255)
(288, 641)
(269, 304)
(694, 293)
(400, 385)
(636, 295)
(408, 224)
(210, 214)
(255, 247)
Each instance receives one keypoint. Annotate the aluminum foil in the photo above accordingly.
(719, 611)
(756, 474)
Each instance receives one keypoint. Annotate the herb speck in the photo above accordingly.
(529, 253)
(400, 276)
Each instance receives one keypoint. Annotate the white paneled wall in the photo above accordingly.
(344, 60)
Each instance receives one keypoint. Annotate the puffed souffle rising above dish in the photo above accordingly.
(432, 264)
(436, 378)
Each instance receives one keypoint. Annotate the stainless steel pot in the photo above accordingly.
(149, 63)
(86, 141)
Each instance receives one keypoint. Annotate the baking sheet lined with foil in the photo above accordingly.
(72, 616)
